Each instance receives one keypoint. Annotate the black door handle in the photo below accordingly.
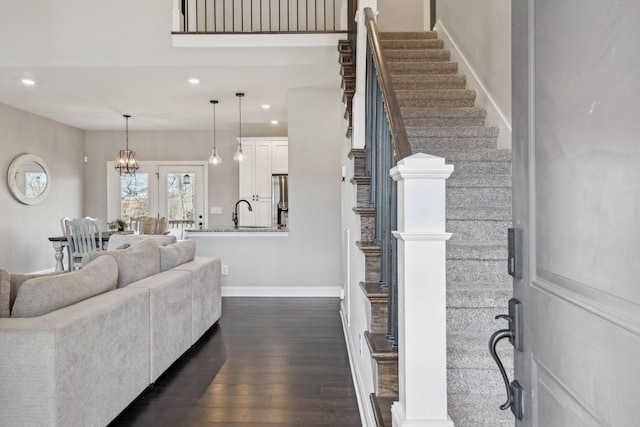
(514, 390)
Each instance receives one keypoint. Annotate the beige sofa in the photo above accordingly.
(79, 347)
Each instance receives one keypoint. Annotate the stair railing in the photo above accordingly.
(258, 16)
(386, 143)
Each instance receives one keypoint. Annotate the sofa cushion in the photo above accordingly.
(42, 295)
(123, 241)
(134, 263)
(178, 253)
(5, 293)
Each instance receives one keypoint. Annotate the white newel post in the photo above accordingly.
(422, 339)
(358, 102)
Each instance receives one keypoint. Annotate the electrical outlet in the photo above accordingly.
(214, 210)
(225, 270)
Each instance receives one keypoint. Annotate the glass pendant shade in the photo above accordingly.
(126, 163)
(239, 155)
(215, 158)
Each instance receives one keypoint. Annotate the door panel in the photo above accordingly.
(576, 198)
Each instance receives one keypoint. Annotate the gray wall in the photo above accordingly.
(481, 31)
(405, 15)
(24, 228)
(310, 256)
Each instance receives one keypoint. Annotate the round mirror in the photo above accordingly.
(29, 179)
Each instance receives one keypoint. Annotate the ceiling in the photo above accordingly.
(88, 73)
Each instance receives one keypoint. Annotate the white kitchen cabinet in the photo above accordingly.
(255, 182)
(280, 157)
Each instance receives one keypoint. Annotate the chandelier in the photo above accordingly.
(126, 163)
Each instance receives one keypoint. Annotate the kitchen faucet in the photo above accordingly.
(234, 215)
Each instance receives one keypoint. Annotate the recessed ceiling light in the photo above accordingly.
(194, 81)
(274, 122)
(28, 82)
(266, 106)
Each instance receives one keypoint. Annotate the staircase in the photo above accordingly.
(441, 119)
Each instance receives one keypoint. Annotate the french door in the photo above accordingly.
(175, 190)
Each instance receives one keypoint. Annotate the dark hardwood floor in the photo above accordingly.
(268, 362)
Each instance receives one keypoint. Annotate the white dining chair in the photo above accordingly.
(83, 235)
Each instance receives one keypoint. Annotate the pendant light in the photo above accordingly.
(215, 158)
(126, 163)
(239, 155)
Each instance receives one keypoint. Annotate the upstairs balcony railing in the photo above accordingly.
(258, 16)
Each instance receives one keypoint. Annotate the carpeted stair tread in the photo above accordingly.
(428, 81)
(406, 67)
(479, 294)
(422, 144)
(477, 230)
(434, 95)
(411, 44)
(473, 411)
(469, 350)
(499, 155)
(475, 319)
(440, 117)
(476, 270)
(476, 249)
(454, 132)
(497, 213)
(408, 35)
(444, 112)
(479, 196)
(469, 181)
(417, 55)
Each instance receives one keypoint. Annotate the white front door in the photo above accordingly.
(576, 183)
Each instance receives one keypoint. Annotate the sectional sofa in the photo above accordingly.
(79, 347)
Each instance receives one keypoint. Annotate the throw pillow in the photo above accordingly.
(5, 293)
(177, 254)
(18, 279)
(42, 295)
(134, 263)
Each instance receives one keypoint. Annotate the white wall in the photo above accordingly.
(479, 36)
(24, 228)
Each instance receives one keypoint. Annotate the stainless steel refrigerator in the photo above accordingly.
(280, 200)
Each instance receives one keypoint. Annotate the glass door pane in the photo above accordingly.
(181, 196)
(134, 200)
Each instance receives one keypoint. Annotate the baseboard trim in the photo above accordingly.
(281, 291)
(495, 116)
(366, 410)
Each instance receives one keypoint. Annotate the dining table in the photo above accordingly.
(61, 242)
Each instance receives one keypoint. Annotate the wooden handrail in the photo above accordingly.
(401, 147)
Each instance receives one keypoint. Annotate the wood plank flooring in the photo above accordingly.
(269, 362)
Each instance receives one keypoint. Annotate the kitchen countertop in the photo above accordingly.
(240, 231)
